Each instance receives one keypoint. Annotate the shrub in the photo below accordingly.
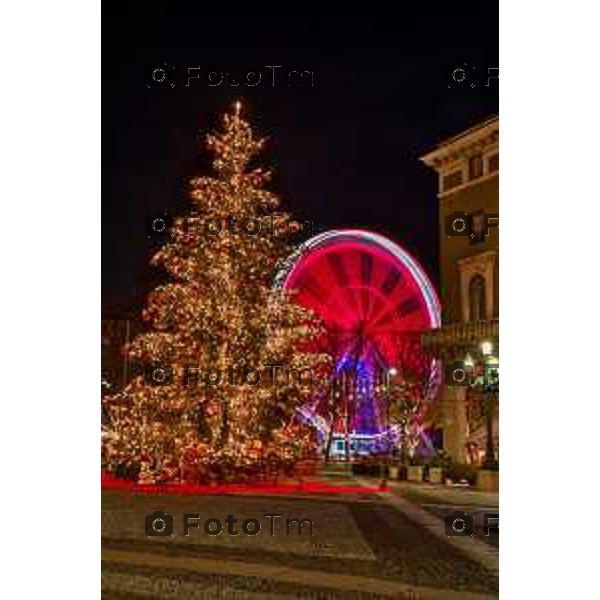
(460, 471)
(441, 460)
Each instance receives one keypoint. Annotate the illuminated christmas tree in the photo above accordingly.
(217, 326)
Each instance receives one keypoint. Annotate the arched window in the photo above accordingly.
(477, 299)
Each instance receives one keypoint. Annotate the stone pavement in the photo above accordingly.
(443, 494)
(217, 579)
(362, 547)
(402, 497)
(443, 500)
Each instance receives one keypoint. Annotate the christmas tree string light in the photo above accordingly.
(218, 310)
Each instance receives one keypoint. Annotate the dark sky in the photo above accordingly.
(345, 151)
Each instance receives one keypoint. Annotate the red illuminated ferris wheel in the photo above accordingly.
(375, 301)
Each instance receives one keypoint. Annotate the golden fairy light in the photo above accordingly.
(218, 309)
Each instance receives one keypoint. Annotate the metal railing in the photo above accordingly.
(467, 333)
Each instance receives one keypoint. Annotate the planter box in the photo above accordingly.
(488, 481)
(415, 473)
(435, 475)
(394, 473)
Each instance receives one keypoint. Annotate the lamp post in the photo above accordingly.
(391, 372)
(491, 387)
(332, 405)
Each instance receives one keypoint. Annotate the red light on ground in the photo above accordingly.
(109, 482)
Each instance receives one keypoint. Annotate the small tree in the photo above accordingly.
(411, 401)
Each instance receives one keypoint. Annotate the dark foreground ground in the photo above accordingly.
(362, 547)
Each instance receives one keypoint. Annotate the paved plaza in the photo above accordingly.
(364, 545)
(441, 501)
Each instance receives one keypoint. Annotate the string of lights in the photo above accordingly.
(219, 308)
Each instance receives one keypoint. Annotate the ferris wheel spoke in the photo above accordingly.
(368, 300)
(337, 267)
(392, 279)
(381, 313)
(342, 303)
(358, 299)
(377, 304)
(366, 268)
(336, 305)
(315, 297)
(397, 328)
(408, 307)
(400, 311)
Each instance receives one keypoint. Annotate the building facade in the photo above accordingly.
(468, 194)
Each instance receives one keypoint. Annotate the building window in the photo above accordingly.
(477, 310)
(475, 166)
(452, 180)
(494, 163)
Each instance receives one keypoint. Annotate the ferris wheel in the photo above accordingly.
(375, 301)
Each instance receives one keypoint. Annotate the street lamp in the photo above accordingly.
(491, 386)
(391, 372)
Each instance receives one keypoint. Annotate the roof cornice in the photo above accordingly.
(469, 142)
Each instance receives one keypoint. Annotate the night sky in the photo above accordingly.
(345, 151)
